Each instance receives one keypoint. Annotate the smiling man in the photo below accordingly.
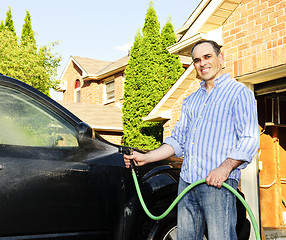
(217, 135)
(208, 61)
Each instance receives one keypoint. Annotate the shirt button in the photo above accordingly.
(192, 156)
(193, 143)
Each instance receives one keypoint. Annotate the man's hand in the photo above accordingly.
(139, 159)
(220, 174)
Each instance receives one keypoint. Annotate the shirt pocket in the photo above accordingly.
(218, 112)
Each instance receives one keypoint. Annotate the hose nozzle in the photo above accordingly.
(128, 151)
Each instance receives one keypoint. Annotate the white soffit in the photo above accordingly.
(263, 75)
(184, 46)
(205, 20)
(210, 16)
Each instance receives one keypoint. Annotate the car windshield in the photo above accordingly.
(27, 122)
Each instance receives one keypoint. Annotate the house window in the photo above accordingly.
(77, 91)
(109, 91)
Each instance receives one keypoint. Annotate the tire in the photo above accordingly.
(165, 229)
(158, 230)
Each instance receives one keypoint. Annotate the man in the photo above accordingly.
(218, 135)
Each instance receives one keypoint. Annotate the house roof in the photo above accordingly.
(86, 65)
(204, 23)
(120, 65)
(109, 69)
(96, 69)
(208, 17)
(99, 117)
(91, 66)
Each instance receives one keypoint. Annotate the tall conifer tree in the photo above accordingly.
(27, 35)
(173, 68)
(2, 26)
(147, 80)
(9, 24)
(130, 111)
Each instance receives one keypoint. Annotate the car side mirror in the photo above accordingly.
(84, 134)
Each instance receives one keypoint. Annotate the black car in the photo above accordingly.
(60, 179)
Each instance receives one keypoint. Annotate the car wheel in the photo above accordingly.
(172, 234)
(165, 230)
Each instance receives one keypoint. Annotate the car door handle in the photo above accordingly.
(1, 166)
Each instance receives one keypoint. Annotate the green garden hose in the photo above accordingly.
(252, 218)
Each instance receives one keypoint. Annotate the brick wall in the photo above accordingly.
(115, 138)
(255, 39)
(72, 74)
(89, 92)
(92, 92)
(255, 36)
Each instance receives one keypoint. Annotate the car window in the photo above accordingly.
(25, 121)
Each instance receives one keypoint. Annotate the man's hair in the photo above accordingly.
(215, 46)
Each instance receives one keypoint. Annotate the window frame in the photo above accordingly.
(77, 92)
(105, 93)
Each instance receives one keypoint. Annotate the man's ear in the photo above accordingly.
(221, 58)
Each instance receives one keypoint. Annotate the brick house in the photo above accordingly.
(253, 38)
(93, 90)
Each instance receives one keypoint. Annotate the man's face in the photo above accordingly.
(207, 64)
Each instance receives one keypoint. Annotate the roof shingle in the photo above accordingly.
(99, 117)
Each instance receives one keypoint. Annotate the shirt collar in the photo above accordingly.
(218, 82)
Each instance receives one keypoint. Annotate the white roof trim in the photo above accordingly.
(203, 14)
(186, 43)
(157, 110)
(193, 16)
(67, 65)
(83, 71)
(184, 46)
(65, 69)
(172, 90)
(158, 116)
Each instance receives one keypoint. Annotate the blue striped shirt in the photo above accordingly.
(215, 126)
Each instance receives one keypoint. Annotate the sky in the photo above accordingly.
(103, 30)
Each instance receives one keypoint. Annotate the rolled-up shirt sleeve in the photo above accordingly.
(247, 130)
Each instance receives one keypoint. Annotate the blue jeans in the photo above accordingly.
(207, 204)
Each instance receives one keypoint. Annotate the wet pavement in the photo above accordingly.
(275, 234)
